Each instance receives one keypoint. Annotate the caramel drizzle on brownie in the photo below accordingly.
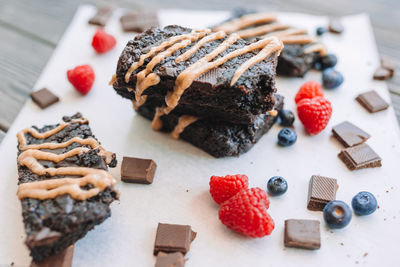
(246, 21)
(52, 188)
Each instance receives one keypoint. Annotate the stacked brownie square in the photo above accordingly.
(214, 90)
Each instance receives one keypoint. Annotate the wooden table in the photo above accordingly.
(30, 31)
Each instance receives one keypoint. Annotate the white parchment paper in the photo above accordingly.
(179, 193)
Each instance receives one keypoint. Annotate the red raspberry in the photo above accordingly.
(314, 113)
(223, 188)
(309, 90)
(246, 213)
(82, 78)
(102, 41)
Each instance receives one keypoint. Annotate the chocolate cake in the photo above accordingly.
(300, 52)
(219, 139)
(64, 186)
(200, 73)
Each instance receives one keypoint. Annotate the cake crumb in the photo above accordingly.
(187, 190)
(12, 263)
(342, 244)
(365, 254)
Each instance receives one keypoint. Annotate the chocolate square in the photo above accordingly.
(335, 25)
(302, 234)
(359, 157)
(173, 238)
(135, 170)
(382, 74)
(321, 191)
(102, 16)
(44, 98)
(372, 102)
(349, 135)
(62, 259)
(170, 260)
(139, 22)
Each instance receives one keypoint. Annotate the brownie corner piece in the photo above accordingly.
(52, 160)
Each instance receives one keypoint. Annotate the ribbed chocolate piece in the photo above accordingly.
(349, 135)
(173, 238)
(44, 98)
(372, 102)
(139, 22)
(302, 234)
(335, 25)
(170, 260)
(359, 157)
(102, 16)
(135, 170)
(322, 190)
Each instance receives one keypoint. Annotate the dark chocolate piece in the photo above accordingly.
(44, 98)
(135, 170)
(321, 191)
(173, 238)
(335, 25)
(102, 16)
(170, 260)
(359, 157)
(210, 96)
(53, 224)
(139, 22)
(388, 64)
(218, 138)
(372, 102)
(302, 234)
(62, 259)
(349, 135)
(382, 74)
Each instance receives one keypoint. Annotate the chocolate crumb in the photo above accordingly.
(365, 254)
(342, 244)
(12, 264)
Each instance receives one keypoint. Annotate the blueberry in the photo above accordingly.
(331, 78)
(364, 203)
(337, 214)
(321, 30)
(287, 117)
(277, 186)
(287, 137)
(328, 61)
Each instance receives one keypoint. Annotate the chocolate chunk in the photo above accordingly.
(62, 259)
(139, 22)
(359, 157)
(349, 135)
(44, 98)
(302, 234)
(388, 64)
(382, 74)
(135, 170)
(321, 191)
(170, 260)
(372, 102)
(335, 25)
(173, 238)
(102, 16)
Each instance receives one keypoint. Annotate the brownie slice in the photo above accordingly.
(211, 94)
(53, 223)
(218, 138)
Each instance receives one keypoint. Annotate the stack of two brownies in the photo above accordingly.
(214, 90)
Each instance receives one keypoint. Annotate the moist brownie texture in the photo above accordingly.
(218, 138)
(294, 60)
(212, 93)
(54, 223)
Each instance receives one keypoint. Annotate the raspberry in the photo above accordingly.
(309, 90)
(82, 78)
(223, 188)
(102, 41)
(314, 113)
(246, 213)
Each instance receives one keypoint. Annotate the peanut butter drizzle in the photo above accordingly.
(273, 45)
(287, 32)
(257, 31)
(113, 79)
(145, 78)
(156, 123)
(52, 188)
(316, 48)
(215, 36)
(245, 21)
(298, 39)
(183, 122)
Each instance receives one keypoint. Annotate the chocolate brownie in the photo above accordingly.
(219, 92)
(63, 196)
(219, 139)
(298, 55)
